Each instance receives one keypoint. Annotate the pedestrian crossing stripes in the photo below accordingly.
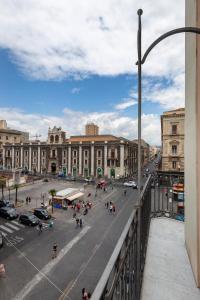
(10, 227)
(6, 229)
(18, 224)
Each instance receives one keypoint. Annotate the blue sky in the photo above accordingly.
(67, 72)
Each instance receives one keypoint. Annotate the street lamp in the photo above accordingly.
(140, 62)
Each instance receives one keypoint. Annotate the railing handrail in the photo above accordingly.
(110, 265)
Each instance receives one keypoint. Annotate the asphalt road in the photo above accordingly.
(83, 253)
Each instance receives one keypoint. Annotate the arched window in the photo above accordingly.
(56, 139)
(51, 139)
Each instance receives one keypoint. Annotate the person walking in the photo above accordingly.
(80, 223)
(84, 294)
(113, 209)
(29, 200)
(40, 227)
(55, 248)
(125, 191)
(26, 200)
(77, 222)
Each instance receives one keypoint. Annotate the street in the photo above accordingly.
(82, 253)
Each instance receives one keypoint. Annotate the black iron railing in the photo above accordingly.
(122, 277)
(165, 202)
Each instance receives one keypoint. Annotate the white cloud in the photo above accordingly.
(75, 90)
(125, 104)
(53, 39)
(169, 97)
(109, 123)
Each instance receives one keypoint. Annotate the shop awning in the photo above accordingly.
(73, 197)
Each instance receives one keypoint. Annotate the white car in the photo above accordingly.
(131, 184)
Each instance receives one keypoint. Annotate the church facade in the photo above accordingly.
(78, 156)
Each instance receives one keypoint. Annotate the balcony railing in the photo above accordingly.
(122, 277)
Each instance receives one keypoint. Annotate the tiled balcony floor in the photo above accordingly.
(168, 274)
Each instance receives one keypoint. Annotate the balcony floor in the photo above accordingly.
(168, 274)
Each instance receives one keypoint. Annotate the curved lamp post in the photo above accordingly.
(140, 62)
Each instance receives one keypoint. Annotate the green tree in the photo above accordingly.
(2, 184)
(16, 186)
(52, 192)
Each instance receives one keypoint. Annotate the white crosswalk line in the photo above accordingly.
(6, 229)
(18, 224)
(3, 233)
(12, 226)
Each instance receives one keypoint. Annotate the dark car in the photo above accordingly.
(8, 213)
(42, 213)
(29, 219)
(4, 203)
(1, 239)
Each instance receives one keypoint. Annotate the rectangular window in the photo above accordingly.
(174, 164)
(99, 162)
(99, 153)
(174, 149)
(86, 153)
(74, 161)
(43, 153)
(75, 152)
(26, 153)
(17, 153)
(174, 129)
(53, 153)
(86, 161)
(63, 161)
(6, 137)
(63, 153)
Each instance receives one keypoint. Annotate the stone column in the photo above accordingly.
(4, 157)
(121, 159)
(92, 159)
(69, 160)
(39, 158)
(30, 159)
(13, 157)
(21, 156)
(105, 159)
(80, 159)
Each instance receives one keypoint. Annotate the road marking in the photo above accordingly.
(6, 229)
(18, 224)
(12, 226)
(94, 251)
(4, 234)
(44, 272)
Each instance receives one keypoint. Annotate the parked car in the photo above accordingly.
(42, 213)
(29, 219)
(1, 240)
(131, 184)
(8, 213)
(6, 203)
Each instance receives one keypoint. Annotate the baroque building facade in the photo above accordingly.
(172, 131)
(78, 156)
(8, 135)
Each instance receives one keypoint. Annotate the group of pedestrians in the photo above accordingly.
(28, 200)
(111, 207)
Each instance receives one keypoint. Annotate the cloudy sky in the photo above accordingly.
(67, 63)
